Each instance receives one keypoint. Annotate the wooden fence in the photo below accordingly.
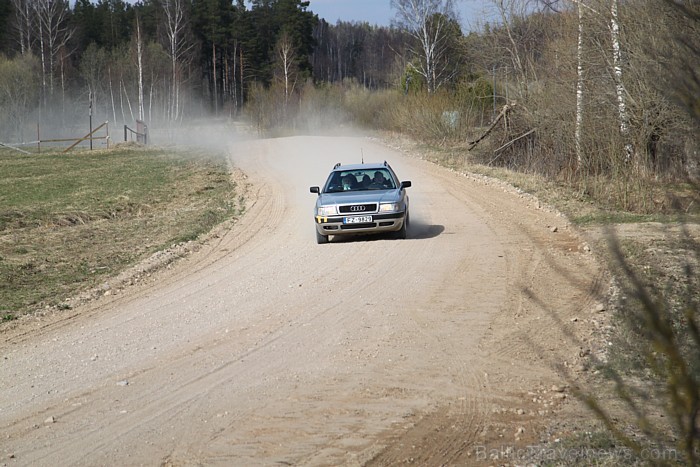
(76, 141)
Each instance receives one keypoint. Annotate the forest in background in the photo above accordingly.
(584, 91)
(599, 99)
(168, 60)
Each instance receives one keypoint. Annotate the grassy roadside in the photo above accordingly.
(579, 208)
(69, 221)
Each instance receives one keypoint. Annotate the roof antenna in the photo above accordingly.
(362, 151)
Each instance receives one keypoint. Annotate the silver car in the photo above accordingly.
(361, 199)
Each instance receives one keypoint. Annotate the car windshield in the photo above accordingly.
(359, 180)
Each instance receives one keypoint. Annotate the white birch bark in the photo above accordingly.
(24, 16)
(617, 72)
(620, 91)
(139, 57)
(426, 21)
(54, 34)
(286, 56)
(42, 56)
(579, 88)
(175, 25)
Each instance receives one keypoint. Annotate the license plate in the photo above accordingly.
(357, 220)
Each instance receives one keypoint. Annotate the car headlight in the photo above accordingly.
(386, 207)
(326, 211)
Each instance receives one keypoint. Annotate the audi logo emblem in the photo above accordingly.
(357, 208)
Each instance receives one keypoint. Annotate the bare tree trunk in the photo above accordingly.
(340, 62)
(52, 23)
(506, 9)
(426, 21)
(139, 56)
(240, 70)
(175, 26)
(42, 55)
(121, 100)
(24, 24)
(150, 99)
(63, 85)
(579, 88)
(111, 93)
(216, 90)
(128, 101)
(285, 66)
(620, 91)
(225, 80)
(234, 72)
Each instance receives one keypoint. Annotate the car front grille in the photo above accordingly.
(367, 225)
(358, 208)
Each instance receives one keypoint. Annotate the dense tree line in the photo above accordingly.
(370, 55)
(184, 51)
(588, 85)
(158, 59)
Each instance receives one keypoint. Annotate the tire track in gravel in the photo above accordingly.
(455, 301)
(547, 284)
(550, 281)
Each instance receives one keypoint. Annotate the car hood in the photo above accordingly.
(361, 197)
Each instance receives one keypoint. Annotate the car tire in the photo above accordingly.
(402, 233)
(321, 239)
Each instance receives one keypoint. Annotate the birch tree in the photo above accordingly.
(506, 11)
(620, 91)
(24, 24)
(54, 33)
(175, 29)
(521, 42)
(427, 21)
(578, 131)
(286, 68)
(139, 59)
(93, 64)
(584, 10)
(617, 74)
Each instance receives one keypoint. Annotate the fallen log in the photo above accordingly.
(506, 108)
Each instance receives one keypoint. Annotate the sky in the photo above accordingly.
(472, 13)
(379, 12)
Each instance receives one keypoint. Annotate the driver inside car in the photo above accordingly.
(348, 182)
(378, 181)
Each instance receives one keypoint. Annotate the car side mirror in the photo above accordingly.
(405, 184)
(315, 189)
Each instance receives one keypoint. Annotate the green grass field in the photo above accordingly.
(68, 221)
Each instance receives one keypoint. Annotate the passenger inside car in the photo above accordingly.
(366, 181)
(349, 182)
(378, 182)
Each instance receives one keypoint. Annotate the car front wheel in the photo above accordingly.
(321, 239)
(403, 231)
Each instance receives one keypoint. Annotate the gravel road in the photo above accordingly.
(265, 348)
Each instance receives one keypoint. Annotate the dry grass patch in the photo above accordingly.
(67, 222)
